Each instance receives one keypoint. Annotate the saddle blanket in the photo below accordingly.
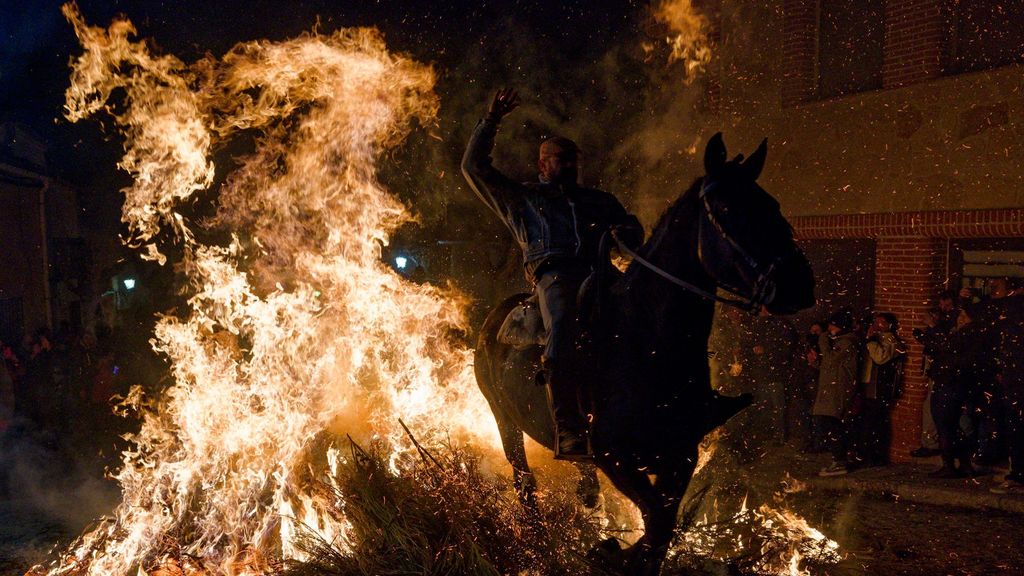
(523, 326)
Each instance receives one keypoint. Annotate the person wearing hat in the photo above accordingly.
(957, 372)
(837, 388)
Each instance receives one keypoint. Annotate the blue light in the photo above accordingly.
(129, 283)
(401, 262)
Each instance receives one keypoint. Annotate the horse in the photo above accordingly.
(645, 366)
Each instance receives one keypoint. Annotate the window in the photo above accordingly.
(984, 34)
(975, 262)
(851, 46)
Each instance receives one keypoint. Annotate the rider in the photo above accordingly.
(558, 224)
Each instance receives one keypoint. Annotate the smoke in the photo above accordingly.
(637, 103)
(51, 489)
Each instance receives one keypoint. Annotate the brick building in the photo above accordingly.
(895, 133)
(44, 260)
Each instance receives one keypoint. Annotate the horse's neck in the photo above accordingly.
(669, 317)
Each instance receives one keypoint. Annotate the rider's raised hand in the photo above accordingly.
(505, 101)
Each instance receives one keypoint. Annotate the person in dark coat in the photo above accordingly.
(806, 378)
(834, 405)
(558, 224)
(958, 365)
(1011, 381)
(771, 353)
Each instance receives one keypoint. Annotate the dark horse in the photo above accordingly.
(647, 374)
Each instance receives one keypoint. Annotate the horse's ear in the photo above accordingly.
(714, 155)
(753, 166)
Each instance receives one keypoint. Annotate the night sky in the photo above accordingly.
(38, 44)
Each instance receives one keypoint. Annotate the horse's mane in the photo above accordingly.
(648, 309)
(676, 211)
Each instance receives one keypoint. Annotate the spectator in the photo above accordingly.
(726, 345)
(1011, 380)
(837, 388)
(956, 371)
(772, 346)
(943, 318)
(880, 377)
(806, 388)
(6, 393)
(989, 402)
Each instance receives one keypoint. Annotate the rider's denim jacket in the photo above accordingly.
(547, 220)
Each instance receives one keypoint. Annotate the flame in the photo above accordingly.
(689, 34)
(294, 325)
(777, 540)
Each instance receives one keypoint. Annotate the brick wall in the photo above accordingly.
(910, 269)
(799, 51)
(913, 41)
(914, 36)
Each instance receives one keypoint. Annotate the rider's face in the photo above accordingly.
(558, 165)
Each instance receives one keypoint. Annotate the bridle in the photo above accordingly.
(763, 286)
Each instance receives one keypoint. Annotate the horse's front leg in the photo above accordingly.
(660, 525)
(635, 485)
(588, 490)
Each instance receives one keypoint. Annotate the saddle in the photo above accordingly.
(523, 327)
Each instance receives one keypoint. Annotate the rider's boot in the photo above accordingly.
(572, 441)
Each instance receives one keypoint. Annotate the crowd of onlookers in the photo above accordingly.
(56, 388)
(833, 388)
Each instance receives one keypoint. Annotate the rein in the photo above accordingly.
(747, 305)
(763, 289)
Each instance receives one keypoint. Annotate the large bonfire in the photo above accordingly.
(295, 323)
(295, 326)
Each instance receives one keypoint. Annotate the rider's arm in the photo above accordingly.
(626, 226)
(496, 190)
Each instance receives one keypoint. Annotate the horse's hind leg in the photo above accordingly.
(515, 452)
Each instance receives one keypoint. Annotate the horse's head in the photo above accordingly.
(745, 244)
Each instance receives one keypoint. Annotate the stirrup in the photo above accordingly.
(581, 448)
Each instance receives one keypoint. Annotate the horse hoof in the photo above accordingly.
(725, 407)
(608, 556)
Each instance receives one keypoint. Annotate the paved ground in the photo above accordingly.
(896, 520)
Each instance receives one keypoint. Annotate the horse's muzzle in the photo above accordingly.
(794, 285)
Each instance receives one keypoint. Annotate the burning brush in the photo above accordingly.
(296, 331)
(294, 328)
